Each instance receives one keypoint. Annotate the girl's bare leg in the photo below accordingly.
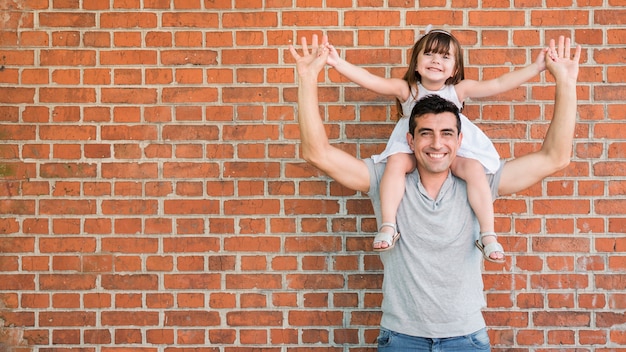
(392, 189)
(479, 195)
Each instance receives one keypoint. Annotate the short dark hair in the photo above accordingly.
(433, 104)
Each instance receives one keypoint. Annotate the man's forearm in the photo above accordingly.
(312, 132)
(558, 141)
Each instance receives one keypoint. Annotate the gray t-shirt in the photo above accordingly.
(432, 284)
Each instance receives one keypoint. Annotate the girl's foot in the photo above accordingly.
(386, 237)
(492, 250)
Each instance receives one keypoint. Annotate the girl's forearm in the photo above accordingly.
(355, 74)
(516, 78)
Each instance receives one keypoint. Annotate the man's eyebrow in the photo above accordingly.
(426, 129)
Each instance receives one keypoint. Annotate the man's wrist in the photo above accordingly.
(307, 79)
(566, 81)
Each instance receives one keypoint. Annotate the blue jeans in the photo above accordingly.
(391, 341)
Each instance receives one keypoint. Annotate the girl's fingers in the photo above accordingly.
(552, 51)
(568, 47)
(322, 50)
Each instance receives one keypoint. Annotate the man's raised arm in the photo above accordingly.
(556, 150)
(339, 165)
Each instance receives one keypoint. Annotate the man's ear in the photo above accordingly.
(409, 140)
(460, 138)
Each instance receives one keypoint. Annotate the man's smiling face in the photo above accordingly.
(435, 142)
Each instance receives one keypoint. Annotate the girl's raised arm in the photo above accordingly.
(395, 87)
(479, 89)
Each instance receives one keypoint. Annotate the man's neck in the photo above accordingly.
(432, 182)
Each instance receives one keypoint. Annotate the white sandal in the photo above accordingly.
(490, 248)
(386, 237)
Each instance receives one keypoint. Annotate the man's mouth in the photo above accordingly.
(436, 155)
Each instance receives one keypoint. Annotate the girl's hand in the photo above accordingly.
(333, 56)
(540, 61)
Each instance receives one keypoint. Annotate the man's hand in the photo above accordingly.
(311, 62)
(558, 60)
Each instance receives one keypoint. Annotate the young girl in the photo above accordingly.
(436, 67)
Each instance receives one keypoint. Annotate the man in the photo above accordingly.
(432, 283)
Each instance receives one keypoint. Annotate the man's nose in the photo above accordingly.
(436, 142)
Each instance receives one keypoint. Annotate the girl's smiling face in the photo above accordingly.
(426, 49)
(436, 68)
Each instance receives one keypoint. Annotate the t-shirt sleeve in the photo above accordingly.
(494, 180)
(376, 171)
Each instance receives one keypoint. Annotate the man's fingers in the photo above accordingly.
(293, 52)
(325, 40)
(314, 43)
(577, 53)
(305, 49)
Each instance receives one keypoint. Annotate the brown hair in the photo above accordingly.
(435, 41)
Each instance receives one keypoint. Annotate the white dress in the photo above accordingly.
(476, 145)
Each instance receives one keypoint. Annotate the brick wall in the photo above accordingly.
(153, 198)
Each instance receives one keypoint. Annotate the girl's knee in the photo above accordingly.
(466, 167)
(401, 162)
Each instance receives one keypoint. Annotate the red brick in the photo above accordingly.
(192, 318)
(190, 19)
(128, 20)
(67, 282)
(254, 318)
(315, 318)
